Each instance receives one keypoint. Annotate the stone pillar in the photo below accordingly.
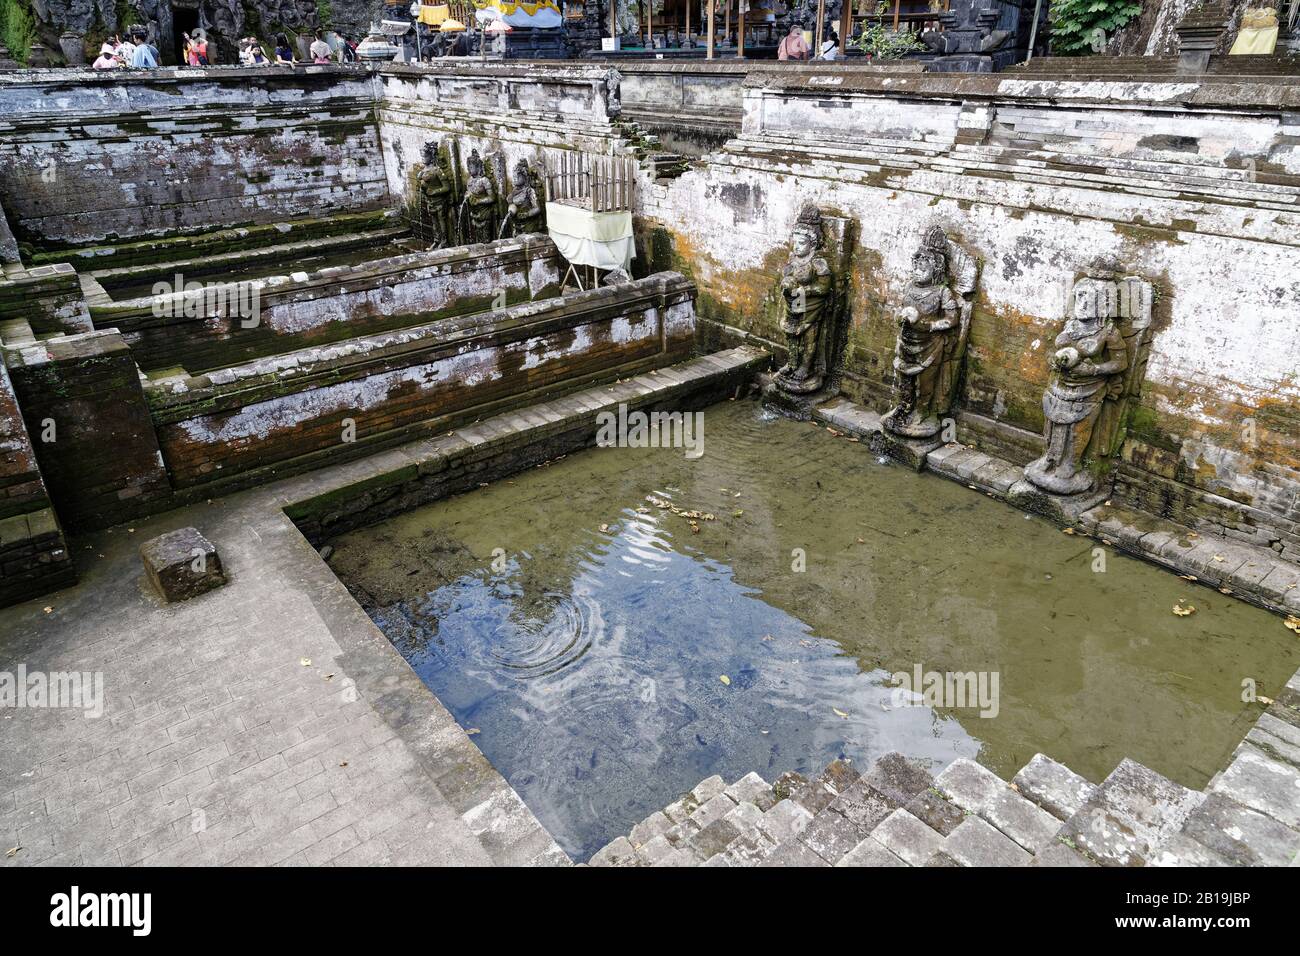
(81, 399)
(34, 557)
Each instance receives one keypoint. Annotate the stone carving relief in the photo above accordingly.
(1096, 368)
(478, 209)
(434, 202)
(934, 323)
(813, 313)
(525, 206)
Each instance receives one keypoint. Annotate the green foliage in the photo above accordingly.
(1080, 27)
(881, 42)
(126, 15)
(17, 28)
(325, 13)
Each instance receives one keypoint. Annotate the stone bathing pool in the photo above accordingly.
(606, 656)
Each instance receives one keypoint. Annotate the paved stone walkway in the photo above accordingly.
(268, 721)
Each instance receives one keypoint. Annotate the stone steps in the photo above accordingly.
(897, 814)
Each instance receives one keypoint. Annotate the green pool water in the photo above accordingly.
(608, 656)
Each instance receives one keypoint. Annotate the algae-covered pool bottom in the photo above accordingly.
(607, 656)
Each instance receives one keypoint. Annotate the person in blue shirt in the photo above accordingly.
(145, 55)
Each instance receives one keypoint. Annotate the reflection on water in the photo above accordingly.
(609, 656)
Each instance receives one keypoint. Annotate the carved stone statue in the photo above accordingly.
(934, 323)
(525, 212)
(434, 198)
(808, 287)
(478, 210)
(1096, 366)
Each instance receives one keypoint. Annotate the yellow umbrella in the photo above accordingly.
(451, 26)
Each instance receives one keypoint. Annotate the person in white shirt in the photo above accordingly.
(319, 50)
(830, 47)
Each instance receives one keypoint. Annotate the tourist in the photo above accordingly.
(319, 50)
(108, 59)
(830, 46)
(793, 46)
(124, 49)
(283, 53)
(199, 48)
(145, 54)
(347, 50)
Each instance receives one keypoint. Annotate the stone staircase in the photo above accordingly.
(898, 814)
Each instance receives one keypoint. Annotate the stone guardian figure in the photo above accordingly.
(434, 198)
(808, 288)
(478, 210)
(934, 323)
(525, 212)
(1091, 370)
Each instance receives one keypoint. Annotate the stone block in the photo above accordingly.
(1134, 810)
(831, 836)
(935, 811)
(618, 852)
(182, 564)
(1058, 854)
(898, 778)
(752, 788)
(982, 792)
(976, 843)
(863, 805)
(1241, 835)
(785, 821)
(649, 828)
(1053, 786)
(907, 838)
(1269, 786)
(869, 853)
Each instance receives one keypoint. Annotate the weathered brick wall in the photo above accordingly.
(1193, 186)
(375, 391)
(34, 557)
(101, 461)
(229, 325)
(89, 156)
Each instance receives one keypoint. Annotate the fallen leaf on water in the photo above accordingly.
(48, 610)
(1293, 623)
(1225, 590)
(471, 731)
(1188, 577)
(329, 676)
(725, 679)
(305, 662)
(1219, 557)
(1184, 611)
(840, 713)
(737, 513)
(1067, 531)
(833, 431)
(855, 440)
(1266, 701)
(605, 528)
(768, 637)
